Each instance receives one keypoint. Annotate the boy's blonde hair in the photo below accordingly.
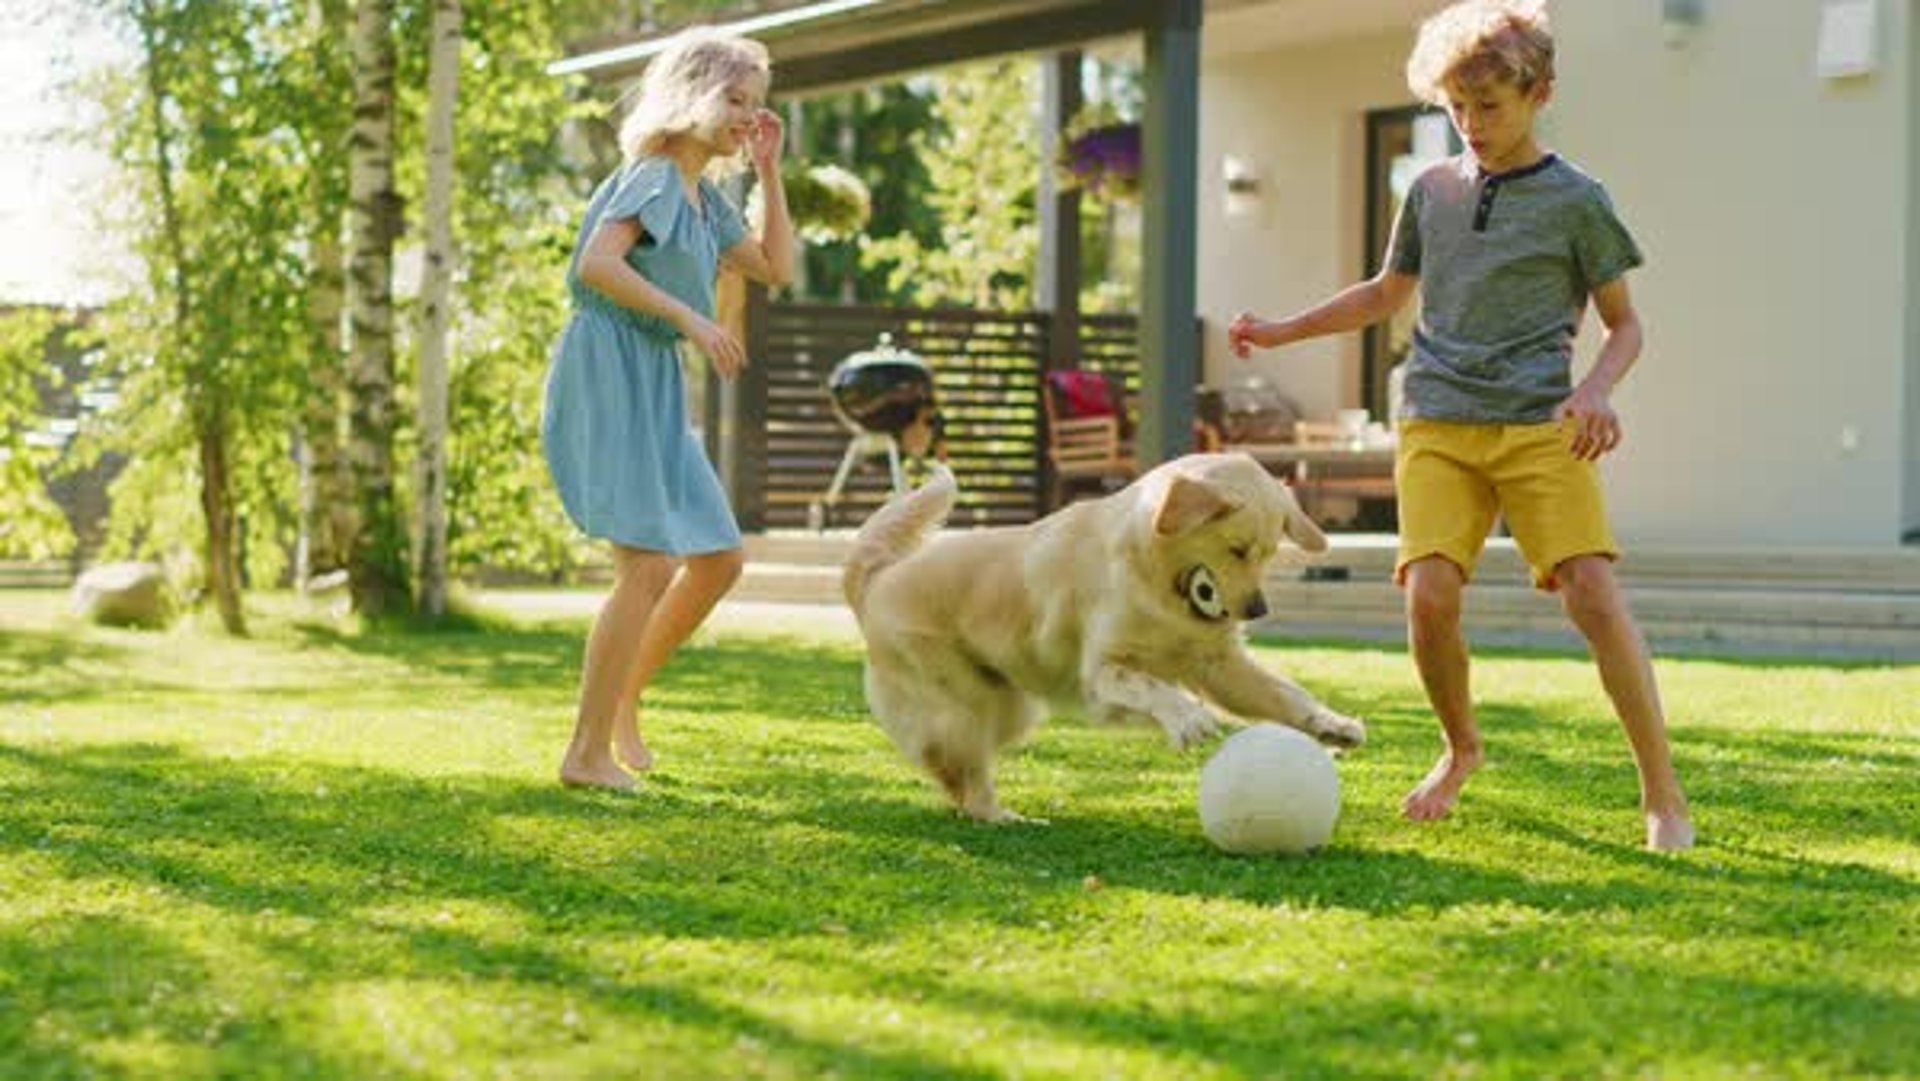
(685, 86)
(1478, 41)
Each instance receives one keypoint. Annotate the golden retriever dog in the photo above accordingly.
(1121, 608)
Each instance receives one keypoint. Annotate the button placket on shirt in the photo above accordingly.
(1484, 211)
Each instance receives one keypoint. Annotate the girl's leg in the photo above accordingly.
(1434, 586)
(702, 581)
(1592, 597)
(640, 577)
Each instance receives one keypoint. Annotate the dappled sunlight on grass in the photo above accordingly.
(339, 852)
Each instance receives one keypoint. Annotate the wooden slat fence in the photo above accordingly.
(986, 367)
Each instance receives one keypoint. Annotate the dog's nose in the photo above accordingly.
(1256, 606)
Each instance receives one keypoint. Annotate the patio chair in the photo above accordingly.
(1088, 437)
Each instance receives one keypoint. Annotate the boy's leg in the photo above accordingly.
(1557, 511)
(1433, 587)
(1447, 507)
(640, 577)
(702, 581)
(1593, 600)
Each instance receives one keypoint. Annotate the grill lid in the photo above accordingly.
(882, 389)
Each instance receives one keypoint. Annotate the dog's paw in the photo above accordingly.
(1190, 727)
(1336, 730)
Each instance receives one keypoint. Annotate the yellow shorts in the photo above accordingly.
(1455, 479)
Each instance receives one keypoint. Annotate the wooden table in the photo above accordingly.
(1296, 458)
(1316, 469)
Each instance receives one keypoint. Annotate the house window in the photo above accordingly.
(1400, 144)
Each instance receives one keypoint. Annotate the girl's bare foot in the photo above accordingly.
(583, 770)
(1669, 832)
(628, 747)
(1434, 796)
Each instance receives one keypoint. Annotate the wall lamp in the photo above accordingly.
(1679, 19)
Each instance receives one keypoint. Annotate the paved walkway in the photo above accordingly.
(828, 622)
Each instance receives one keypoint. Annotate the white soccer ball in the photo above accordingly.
(1269, 788)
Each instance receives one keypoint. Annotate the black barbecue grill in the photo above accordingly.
(884, 396)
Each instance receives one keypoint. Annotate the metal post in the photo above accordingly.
(1169, 364)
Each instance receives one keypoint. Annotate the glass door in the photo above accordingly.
(1401, 143)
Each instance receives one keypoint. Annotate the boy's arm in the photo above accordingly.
(1596, 426)
(1360, 305)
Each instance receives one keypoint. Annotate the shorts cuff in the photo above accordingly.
(1407, 559)
(1543, 572)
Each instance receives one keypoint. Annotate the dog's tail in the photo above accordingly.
(895, 530)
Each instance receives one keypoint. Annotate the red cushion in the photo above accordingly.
(1083, 393)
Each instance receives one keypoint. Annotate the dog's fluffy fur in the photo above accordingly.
(1097, 608)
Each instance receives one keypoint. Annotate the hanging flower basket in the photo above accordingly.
(1100, 155)
(827, 203)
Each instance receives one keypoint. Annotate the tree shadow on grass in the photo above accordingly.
(91, 979)
(1282, 1017)
(772, 866)
(722, 675)
(40, 668)
(86, 982)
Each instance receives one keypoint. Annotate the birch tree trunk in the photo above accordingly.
(379, 561)
(209, 419)
(443, 94)
(329, 514)
(326, 495)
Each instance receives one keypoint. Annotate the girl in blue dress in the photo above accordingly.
(615, 428)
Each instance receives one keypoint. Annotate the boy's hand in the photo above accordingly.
(1596, 427)
(1246, 331)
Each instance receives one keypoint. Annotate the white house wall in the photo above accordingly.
(1775, 405)
(1911, 520)
(1297, 117)
(1771, 406)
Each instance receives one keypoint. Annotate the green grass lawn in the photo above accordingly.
(326, 853)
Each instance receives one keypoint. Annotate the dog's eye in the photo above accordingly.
(1242, 552)
(1203, 594)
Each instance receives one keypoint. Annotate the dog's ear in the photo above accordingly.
(1302, 529)
(1187, 504)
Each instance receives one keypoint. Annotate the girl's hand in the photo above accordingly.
(764, 140)
(1596, 427)
(722, 348)
(1246, 331)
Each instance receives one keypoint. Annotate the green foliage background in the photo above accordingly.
(259, 111)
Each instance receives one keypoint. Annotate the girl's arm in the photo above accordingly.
(1360, 305)
(604, 268)
(769, 259)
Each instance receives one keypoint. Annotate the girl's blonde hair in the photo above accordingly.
(684, 89)
(1481, 40)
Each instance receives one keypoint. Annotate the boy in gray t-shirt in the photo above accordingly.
(1507, 244)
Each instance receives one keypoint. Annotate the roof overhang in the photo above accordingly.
(838, 42)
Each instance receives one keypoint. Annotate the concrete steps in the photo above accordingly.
(1838, 604)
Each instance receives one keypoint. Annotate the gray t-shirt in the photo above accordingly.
(1506, 263)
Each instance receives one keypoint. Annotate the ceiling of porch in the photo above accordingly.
(1248, 26)
(825, 42)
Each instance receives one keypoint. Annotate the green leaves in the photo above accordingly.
(983, 171)
(32, 527)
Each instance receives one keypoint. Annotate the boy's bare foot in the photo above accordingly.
(1433, 797)
(1669, 832)
(628, 747)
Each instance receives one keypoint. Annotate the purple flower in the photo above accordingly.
(1106, 159)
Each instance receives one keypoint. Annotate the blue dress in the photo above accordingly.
(614, 426)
